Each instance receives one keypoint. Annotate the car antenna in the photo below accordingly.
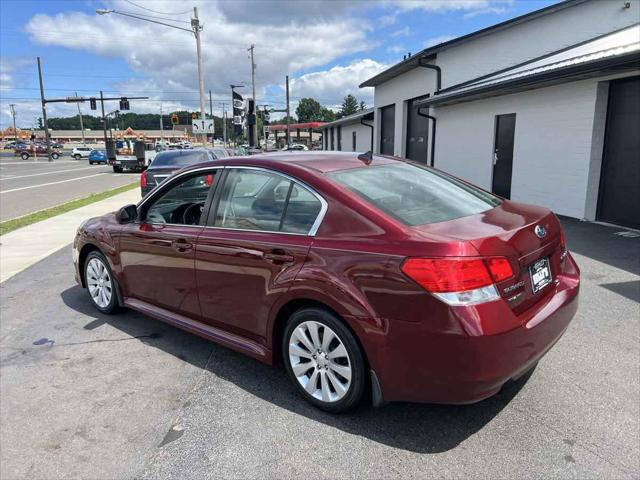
(367, 157)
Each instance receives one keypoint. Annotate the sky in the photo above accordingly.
(326, 47)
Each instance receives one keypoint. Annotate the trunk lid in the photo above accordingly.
(157, 175)
(509, 230)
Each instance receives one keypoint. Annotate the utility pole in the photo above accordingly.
(288, 116)
(197, 28)
(213, 142)
(161, 127)
(104, 120)
(44, 113)
(224, 122)
(253, 95)
(13, 115)
(81, 124)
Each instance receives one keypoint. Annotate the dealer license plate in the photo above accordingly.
(540, 273)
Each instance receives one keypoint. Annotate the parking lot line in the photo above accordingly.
(53, 172)
(52, 183)
(38, 162)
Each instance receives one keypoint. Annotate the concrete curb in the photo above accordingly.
(22, 248)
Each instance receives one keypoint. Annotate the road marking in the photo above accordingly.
(39, 162)
(51, 183)
(52, 172)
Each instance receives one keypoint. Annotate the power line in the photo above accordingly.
(155, 11)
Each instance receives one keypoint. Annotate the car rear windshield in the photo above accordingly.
(178, 158)
(415, 195)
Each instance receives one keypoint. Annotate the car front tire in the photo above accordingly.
(324, 360)
(77, 157)
(55, 156)
(101, 284)
(117, 169)
(24, 156)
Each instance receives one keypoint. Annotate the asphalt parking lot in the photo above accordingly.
(30, 185)
(90, 396)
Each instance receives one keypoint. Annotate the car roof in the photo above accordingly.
(325, 161)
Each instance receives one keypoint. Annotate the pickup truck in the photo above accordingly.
(124, 155)
(37, 149)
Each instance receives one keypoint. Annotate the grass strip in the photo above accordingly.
(15, 223)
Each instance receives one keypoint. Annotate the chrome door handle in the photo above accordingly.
(182, 245)
(278, 256)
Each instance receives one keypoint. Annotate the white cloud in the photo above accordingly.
(430, 42)
(330, 86)
(167, 56)
(403, 32)
(448, 5)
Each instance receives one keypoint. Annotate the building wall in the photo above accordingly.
(534, 38)
(552, 143)
(500, 50)
(363, 137)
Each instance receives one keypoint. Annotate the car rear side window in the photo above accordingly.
(415, 195)
(176, 158)
(265, 201)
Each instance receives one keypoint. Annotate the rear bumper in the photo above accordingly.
(420, 366)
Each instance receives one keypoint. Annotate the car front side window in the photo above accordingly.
(183, 203)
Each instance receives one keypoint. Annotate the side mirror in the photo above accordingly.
(127, 214)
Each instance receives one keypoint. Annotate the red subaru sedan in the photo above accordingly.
(363, 274)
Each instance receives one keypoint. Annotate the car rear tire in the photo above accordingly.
(24, 156)
(100, 282)
(324, 360)
(77, 157)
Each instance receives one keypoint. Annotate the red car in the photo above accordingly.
(36, 150)
(361, 273)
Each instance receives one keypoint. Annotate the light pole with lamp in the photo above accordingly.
(196, 28)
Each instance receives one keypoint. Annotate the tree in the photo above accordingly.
(327, 115)
(309, 110)
(349, 106)
(362, 105)
(283, 121)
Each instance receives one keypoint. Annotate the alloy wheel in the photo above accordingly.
(99, 283)
(320, 361)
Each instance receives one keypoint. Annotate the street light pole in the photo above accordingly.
(44, 114)
(13, 115)
(195, 24)
(81, 124)
(196, 29)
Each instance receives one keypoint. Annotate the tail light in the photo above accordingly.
(459, 281)
(208, 180)
(143, 179)
(563, 245)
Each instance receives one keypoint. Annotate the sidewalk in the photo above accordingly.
(24, 247)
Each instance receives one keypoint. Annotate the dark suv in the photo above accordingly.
(167, 162)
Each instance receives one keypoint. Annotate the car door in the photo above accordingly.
(256, 240)
(158, 251)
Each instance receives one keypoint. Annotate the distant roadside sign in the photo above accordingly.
(202, 126)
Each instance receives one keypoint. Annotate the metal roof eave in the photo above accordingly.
(430, 52)
(599, 67)
(355, 116)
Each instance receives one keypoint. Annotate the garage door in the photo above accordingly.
(619, 195)
(387, 129)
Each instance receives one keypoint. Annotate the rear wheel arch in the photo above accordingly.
(288, 309)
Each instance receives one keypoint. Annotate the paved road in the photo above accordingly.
(89, 396)
(27, 185)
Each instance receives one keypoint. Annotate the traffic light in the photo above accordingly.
(124, 103)
(174, 118)
(266, 118)
(92, 103)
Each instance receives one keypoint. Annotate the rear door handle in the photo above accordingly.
(278, 256)
(181, 245)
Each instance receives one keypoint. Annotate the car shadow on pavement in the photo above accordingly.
(414, 427)
(617, 247)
